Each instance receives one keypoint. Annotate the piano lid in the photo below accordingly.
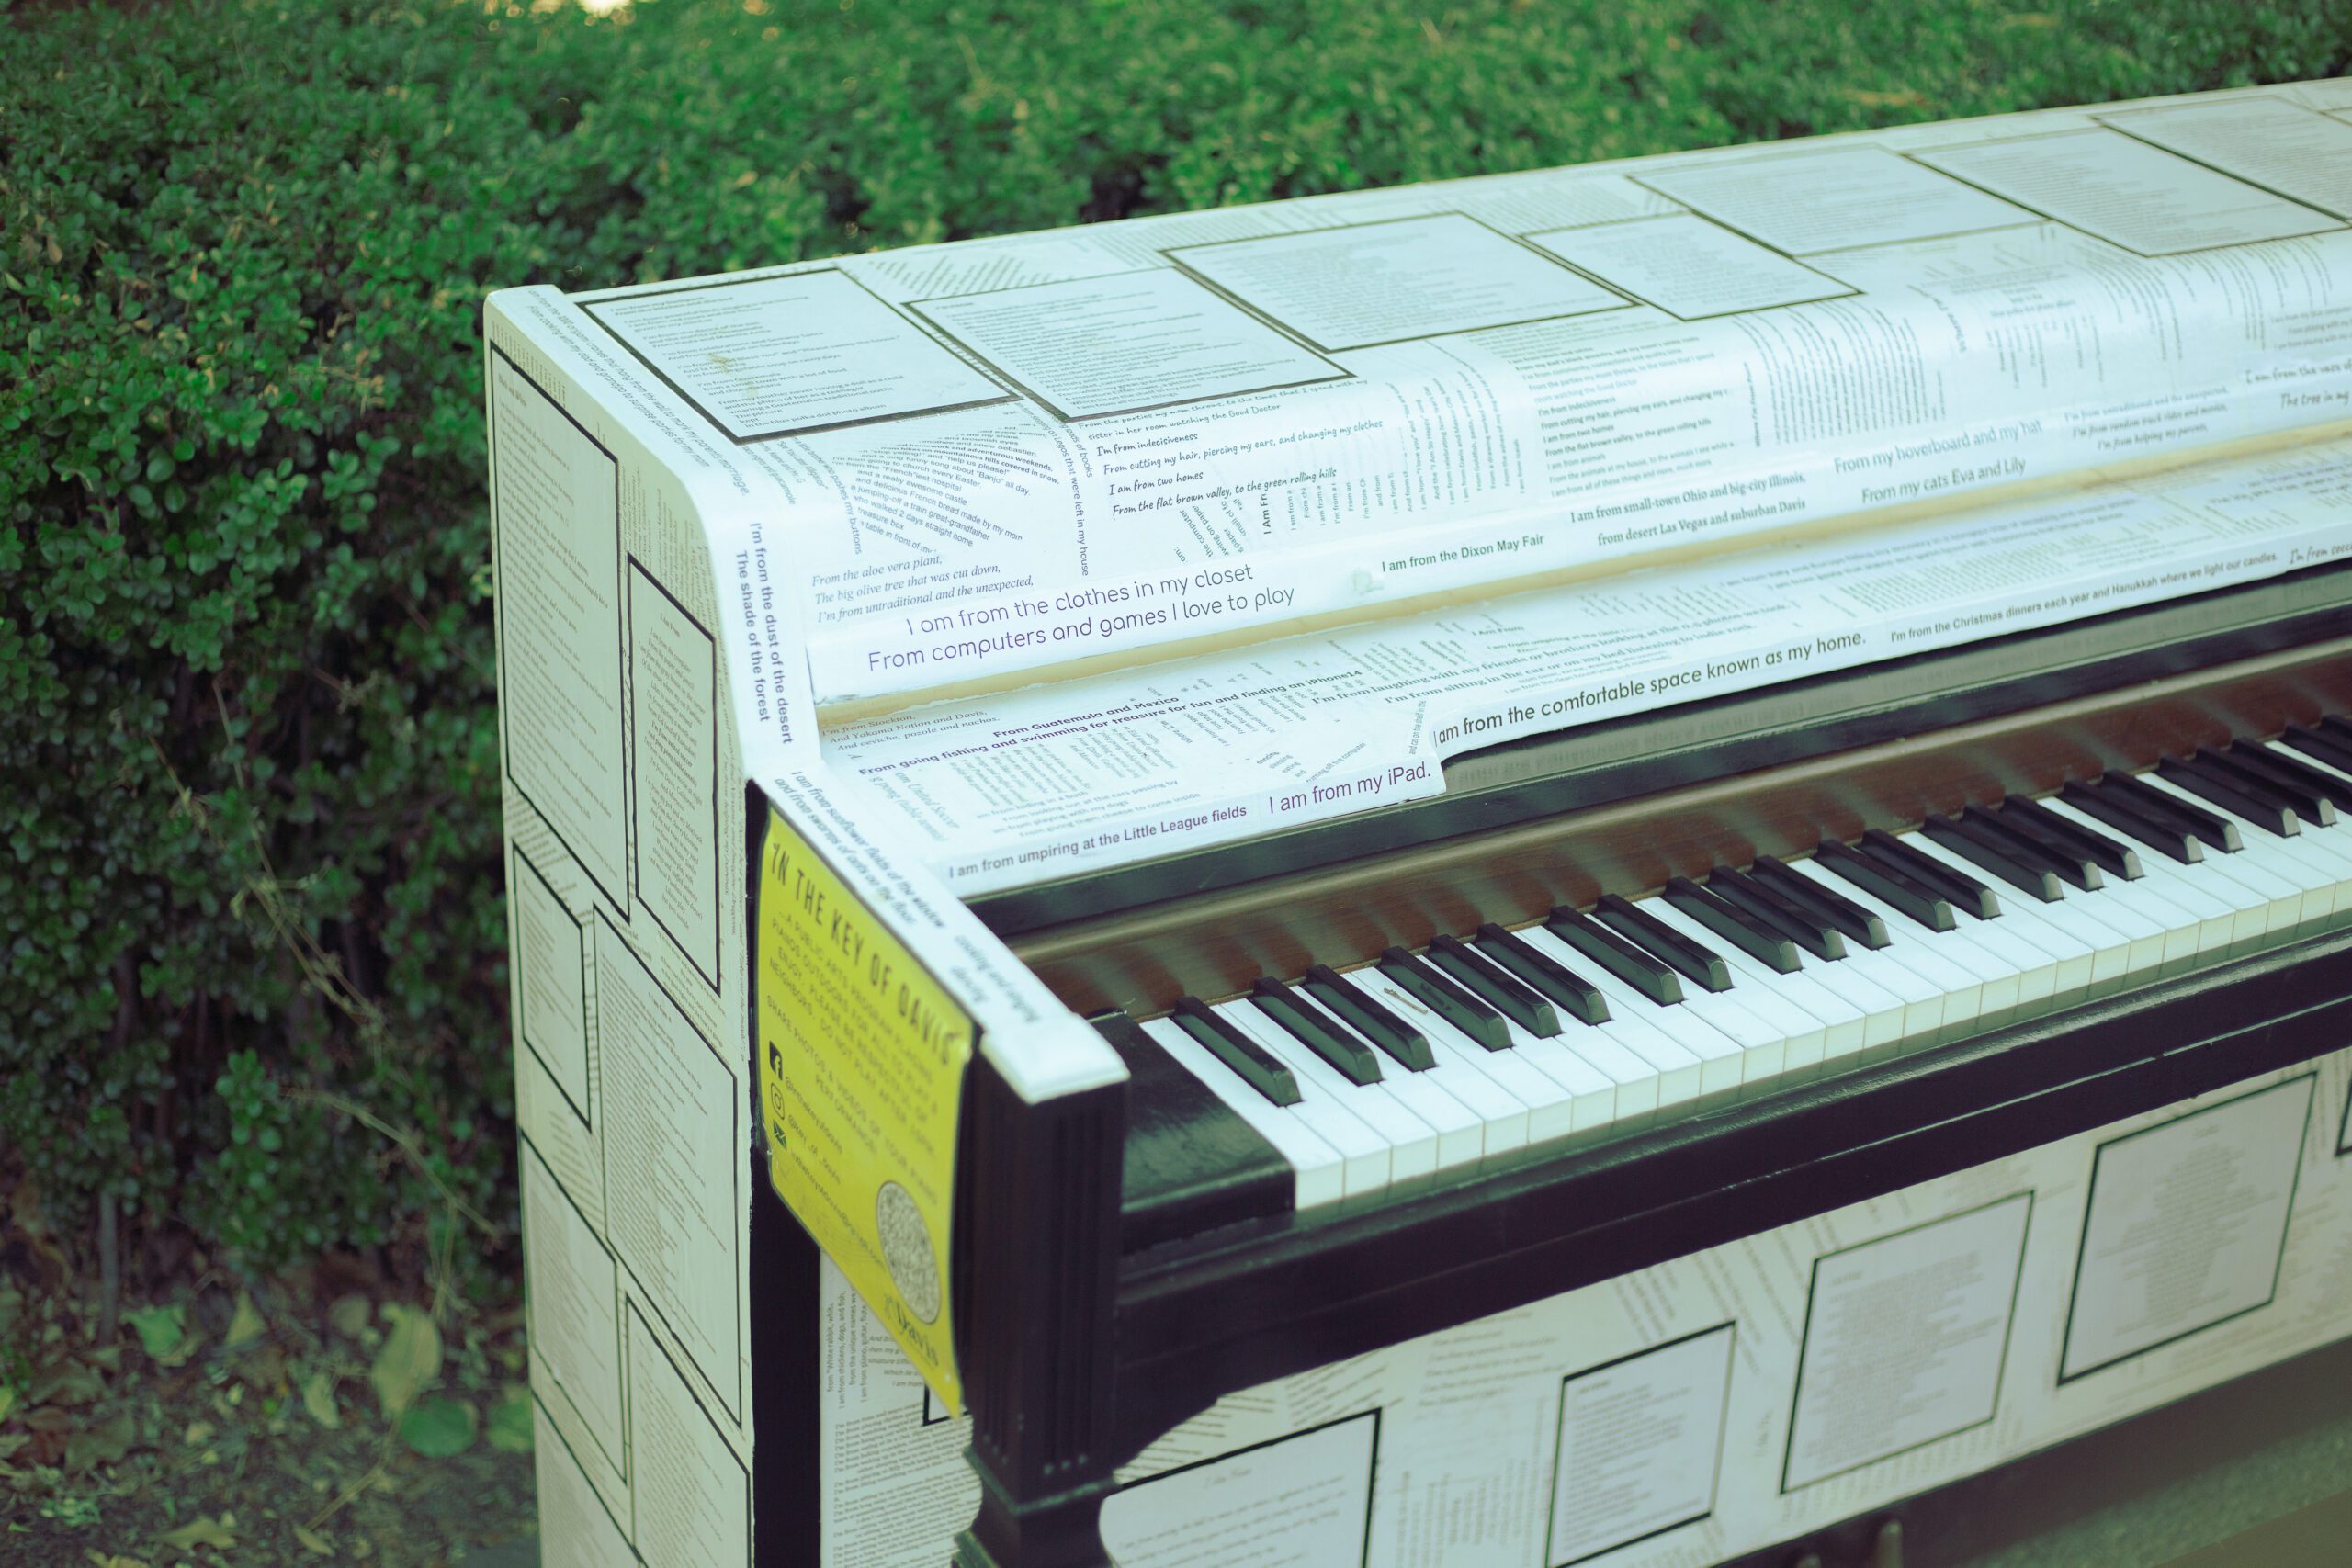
(983, 464)
(1065, 780)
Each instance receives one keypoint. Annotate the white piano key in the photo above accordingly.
(1668, 1037)
(2306, 858)
(1406, 1141)
(2225, 914)
(1924, 953)
(1638, 1091)
(2327, 846)
(1994, 970)
(2299, 898)
(1363, 1154)
(1808, 1036)
(1860, 1017)
(1549, 1109)
(2027, 935)
(2127, 925)
(1764, 1046)
(1680, 1077)
(2037, 972)
(1501, 1115)
(1428, 1094)
(1637, 1084)
(1923, 1006)
(1923, 1003)
(1317, 1171)
(2123, 941)
(2324, 854)
(2102, 944)
(1593, 1096)
(2336, 838)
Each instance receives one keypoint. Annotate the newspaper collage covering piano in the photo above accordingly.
(993, 561)
(1725, 1402)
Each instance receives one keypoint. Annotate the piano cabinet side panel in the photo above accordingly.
(1762, 1392)
(625, 866)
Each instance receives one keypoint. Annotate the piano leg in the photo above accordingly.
(1060, 1531)
(1037, 1261)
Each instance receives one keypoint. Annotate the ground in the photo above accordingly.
(252, 1423)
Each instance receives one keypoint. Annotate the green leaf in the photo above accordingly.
(510, 1424)
(199, 1532)
(438, 1427)
(68, 1384)
(349, 1315)
(89, 1447)
(409, 1360)
(318, 1398)
(245, 1325)
(162, 1329)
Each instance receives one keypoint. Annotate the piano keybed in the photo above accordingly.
(1377, 1078)
(1406, 1076)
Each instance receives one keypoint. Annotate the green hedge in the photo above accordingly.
(251, 970)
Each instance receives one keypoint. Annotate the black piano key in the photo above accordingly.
(2334, 751)
(2167, 833)
(1695, 961)
(2212, 831)
(1540, 971)
(1960, 889)
(2329, 789)
(2021, 864)
(2335, 724)
(1862, 925)
(2071, 841)
(1887, 883)
(1191, 1163)
(1355, 1061)
(2071, 867)
(1617, 955)
(2278, 784)
(1763, 942)
(1369, 1017)
(1258, 1066)
(2231, 793)
(1817, 933)
(1428, 986)
(1495, 987)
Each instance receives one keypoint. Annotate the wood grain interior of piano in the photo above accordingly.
(1214, 943)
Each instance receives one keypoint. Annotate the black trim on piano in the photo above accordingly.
(1034, 1263)
(1620, 759)
(1498, 1242)
(786, 1393)
(1228, 1312)
(1030, 1270)
(788, 1474)
(1191, 1166)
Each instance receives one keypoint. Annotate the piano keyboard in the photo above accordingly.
(1376, 1079)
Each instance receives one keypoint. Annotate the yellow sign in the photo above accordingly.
(861, 1057)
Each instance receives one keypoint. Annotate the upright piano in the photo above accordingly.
(1630, 865)
(1806, 870)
